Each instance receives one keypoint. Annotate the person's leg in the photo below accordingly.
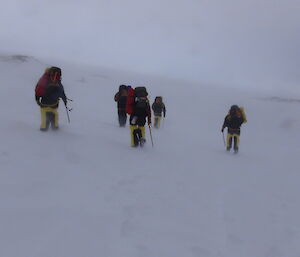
(52, 117)
(44, 121)
(55, 113)
(229, 141)
(143, 130)
(122, 118)
(142, 136)
(236, 143)
(155, 121)
(133, 135)
(158, 121)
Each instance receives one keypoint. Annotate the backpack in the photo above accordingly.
(238, 111)
(141, 92)
(141, 103)
(51, 76)
(135, 96)
(121, 93)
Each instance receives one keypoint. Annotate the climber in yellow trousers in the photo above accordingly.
(49, 115)
(233, 121)
(136, 130)
(138, 107)
(47, 94)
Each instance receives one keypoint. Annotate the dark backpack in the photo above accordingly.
(141, 103)
(122, 87)
(140, 92)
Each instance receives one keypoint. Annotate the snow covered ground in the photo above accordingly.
(84, 192)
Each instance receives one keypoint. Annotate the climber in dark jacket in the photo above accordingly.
(158, 108)
(233, 122)
(121, 98)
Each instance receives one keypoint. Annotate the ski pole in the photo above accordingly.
(151, 135)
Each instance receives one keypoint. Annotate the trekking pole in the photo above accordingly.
(151, 135)
(163, 122)
(68, 110)
(224, 139)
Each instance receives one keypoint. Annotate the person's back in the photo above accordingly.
(121, 99)
(52, 95)
(141, 110)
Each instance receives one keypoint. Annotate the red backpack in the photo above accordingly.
(130, 101)
(52, 76)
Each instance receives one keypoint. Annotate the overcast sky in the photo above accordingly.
(247, 43)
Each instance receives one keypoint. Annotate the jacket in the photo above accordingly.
(52, 96)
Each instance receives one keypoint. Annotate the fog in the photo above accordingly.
(248, 44)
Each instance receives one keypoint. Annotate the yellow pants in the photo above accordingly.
(157, 120)
(44, 121)
(235, 138)
(132, 128)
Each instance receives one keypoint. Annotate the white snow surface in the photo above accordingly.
(83, 191)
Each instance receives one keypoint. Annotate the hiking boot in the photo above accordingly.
(228, 148)
(142, 141)
(236, 150)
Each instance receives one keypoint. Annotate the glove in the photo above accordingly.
(39, 103)
(149, 123)
(222, 130)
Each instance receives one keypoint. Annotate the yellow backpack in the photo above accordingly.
(243, 114)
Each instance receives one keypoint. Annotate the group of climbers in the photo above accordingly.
(131, 101)
(135, 102)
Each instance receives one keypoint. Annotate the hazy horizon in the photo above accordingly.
(249, 44)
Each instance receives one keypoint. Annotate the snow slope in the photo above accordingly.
(84, 192)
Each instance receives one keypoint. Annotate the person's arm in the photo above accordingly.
(242, 120)
(117, 97)
(38, 100)
(225, 124)
(63, 95)
(164, 110)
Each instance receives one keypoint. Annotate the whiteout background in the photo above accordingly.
(84, 192)
(241, 43)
